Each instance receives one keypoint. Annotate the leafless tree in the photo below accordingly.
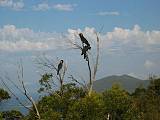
(92, 68)
(21, 89)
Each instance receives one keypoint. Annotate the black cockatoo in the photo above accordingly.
(84, 40)
(59, 66)
(84, 51)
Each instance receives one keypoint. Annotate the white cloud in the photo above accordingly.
(22, 39)
(148, 64)
(13, 4)
(41, 7)
(60, 7)
(64, 7)
(119, 40)
(108, 13)
(133, 75)
(6, 3)
(134, 39)
(122, 40)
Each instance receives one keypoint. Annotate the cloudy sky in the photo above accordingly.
(130, 35)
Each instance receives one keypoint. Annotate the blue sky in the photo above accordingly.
(130, 38)
(144, 13)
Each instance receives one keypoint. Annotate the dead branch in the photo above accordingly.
(20, 78)
(80, 83)
(97, 58)
(92, 76)
(21, 103)
(49, 64)
(74, 45)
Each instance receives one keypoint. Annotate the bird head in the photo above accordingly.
(61, 61)
(80, 34)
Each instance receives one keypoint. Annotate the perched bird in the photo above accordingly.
(84, 51)
(59, 66)
(84, 40)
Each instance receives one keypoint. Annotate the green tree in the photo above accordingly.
(145, 102)
(154, 87)
(1, 116)
(138, 105)
(117, 102)
(153, 99)
(90, 107)
(10, 115)
(3, 95)
(56, 106)
(45, 83)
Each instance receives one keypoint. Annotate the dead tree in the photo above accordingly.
(92, 68)
(21, 89)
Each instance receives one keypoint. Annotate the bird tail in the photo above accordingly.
(58, 72)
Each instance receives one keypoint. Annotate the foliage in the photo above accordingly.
(117, 102)
(11, 114)
(138, 104)
(87, 108)
(1, 116)
(154, 87)
(153, 98)
(3, 95)
(45, 83)
(76, 104)
(58, 105)
(145, 102)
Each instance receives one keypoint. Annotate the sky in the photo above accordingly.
(129, 36)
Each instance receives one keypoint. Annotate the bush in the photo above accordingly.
(87, 108)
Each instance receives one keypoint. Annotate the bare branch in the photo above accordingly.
(90, 78)
(75, 80)
(25, 91)
(21, 103)
(97, 58)
(49, 64)
(74, 45)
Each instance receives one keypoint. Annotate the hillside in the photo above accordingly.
(127, 82)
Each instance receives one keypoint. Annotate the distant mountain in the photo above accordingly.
(127, 82)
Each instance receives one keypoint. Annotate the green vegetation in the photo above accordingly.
(11, 115)
(8, 115)
(3, 95)
(115, 103)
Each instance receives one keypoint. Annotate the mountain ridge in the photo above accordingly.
(128, 82)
